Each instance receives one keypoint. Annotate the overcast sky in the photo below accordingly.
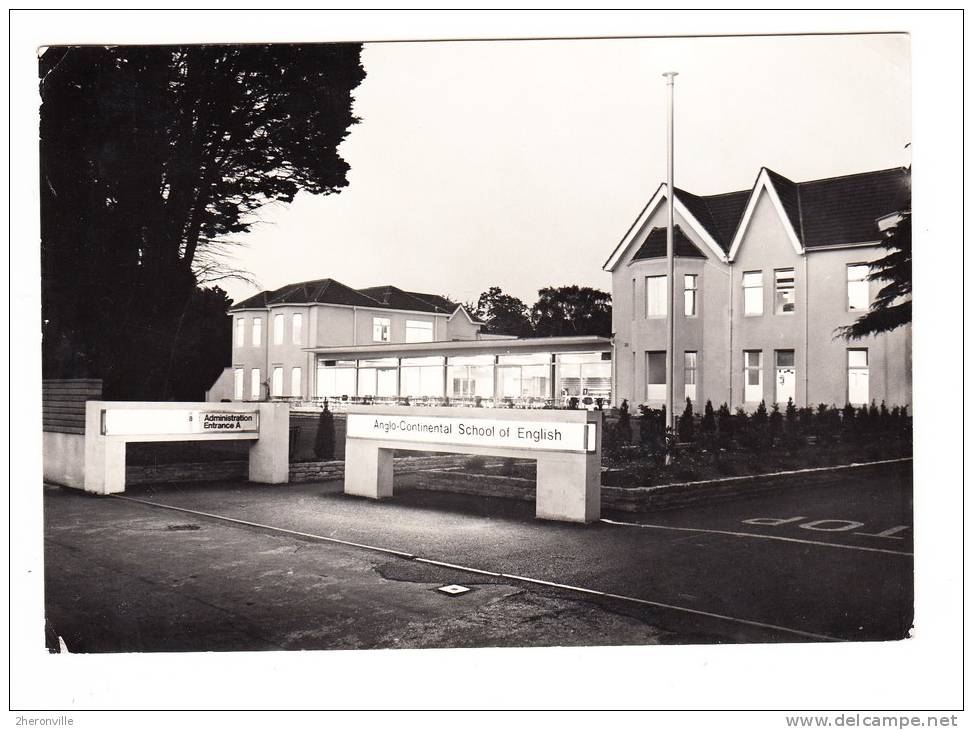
(521, 164)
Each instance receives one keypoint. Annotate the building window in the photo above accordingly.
(857, 287)
(583, 375)
(255, 384)
(279, 329)
(238, 382)
(655, 375)
(422, 377)
(277, 383)
(634, 305)
(381, 329)
(297, 329)
(858, 376)
(689, 294)
(336, 379)
(753, 293)
(786, 376)
(524, 378)
(784, 291)
(753, 383)
(257, 327)
(689, 374)
(379, 377)
(295, 382)
(470, 377)
(418, 331)
(241, 332)
(655, 296)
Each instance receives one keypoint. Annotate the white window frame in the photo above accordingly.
(297, 328)
(690, 369)
(277, 382)
(757, 389)
(778, 289)
(255, 384)
(237, 383)
(296, 382)
(656, 304)
(655, 391)
(256, 333)
(240, 332)
(381, 329)
(858, 374)
(753, 306)
(414, 326)
(860, 284)
(690, 295)
(278, 329)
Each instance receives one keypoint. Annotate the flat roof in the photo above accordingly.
(587, 343)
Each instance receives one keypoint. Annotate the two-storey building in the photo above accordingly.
(322, 339)
(763, 280)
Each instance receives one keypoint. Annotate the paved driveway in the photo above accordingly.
(832, 561)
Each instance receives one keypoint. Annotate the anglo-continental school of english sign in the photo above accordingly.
(535, 435)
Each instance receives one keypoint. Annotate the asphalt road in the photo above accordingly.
(830, 561)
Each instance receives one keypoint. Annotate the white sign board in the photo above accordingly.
(535, 435)
(176, 422)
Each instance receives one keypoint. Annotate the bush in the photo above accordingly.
(775, 424)
(687, 427)
(324, 439)
(623, 429)
(708, 424)
(724, 422)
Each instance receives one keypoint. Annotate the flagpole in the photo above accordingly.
(670, 266)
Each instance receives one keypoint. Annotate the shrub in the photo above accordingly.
(724, 422)
(759, 419)
(708, 424)
(687, 427)
(324, 439)
(791, 415)
(775, 423)
(623, 429)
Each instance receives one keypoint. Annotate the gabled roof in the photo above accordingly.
(655, 245)
(817, 213)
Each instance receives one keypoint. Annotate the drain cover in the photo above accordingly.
(454, 590)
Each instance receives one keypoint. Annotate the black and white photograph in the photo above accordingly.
(352, 349)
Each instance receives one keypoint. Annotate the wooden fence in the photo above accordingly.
(64, 403)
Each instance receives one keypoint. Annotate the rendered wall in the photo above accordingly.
(64, 459)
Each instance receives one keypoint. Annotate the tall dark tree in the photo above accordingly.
(503, 314)
(152, 158)
(572, 310)
(892, 307)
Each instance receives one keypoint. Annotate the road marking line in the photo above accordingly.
(758, 536)
(538, 581)
(312, 536)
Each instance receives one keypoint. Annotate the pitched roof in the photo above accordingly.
(845, 209)
(655, 245)
(823, 212)
(325, 291)
(330, 291)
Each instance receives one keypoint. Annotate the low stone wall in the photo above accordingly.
(646, 499)
(482, 485)
(210, 471)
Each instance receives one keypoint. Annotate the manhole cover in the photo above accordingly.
(454, 590)
(182, 527)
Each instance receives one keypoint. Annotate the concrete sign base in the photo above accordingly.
(109, 426)
(565, 444)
